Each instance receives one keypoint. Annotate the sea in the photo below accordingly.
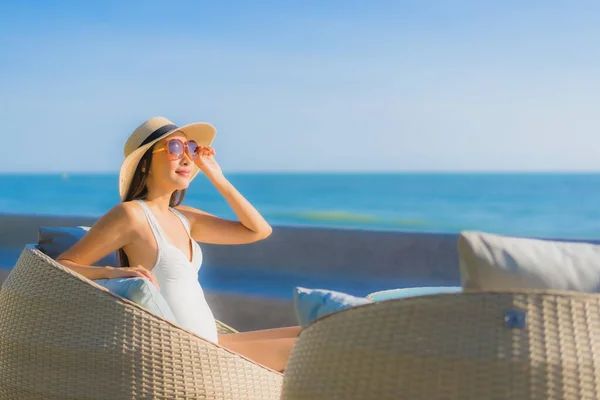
(544, 204)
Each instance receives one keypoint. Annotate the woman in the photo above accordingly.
(156, 237)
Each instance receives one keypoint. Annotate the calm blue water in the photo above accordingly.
(564, 205)
(539, 205)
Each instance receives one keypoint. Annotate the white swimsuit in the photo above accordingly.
(178, 280)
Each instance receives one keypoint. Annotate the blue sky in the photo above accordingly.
(306, 86)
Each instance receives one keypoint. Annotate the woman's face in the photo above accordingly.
(166, 172)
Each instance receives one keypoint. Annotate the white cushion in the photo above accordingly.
(490, 261)
(141, 291)
(311, 304)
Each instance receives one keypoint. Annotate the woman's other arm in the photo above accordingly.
(111, 232)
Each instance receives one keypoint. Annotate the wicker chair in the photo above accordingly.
(62, 336)
(468, 346)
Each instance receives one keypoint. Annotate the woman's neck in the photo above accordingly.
(159, 200)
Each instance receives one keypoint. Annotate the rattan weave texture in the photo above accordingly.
(533, 345)
(64, 337)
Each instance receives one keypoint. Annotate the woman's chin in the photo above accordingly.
(183, 187)
(181, 183)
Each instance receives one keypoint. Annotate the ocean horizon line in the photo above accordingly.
(330, 172)
(548, 204)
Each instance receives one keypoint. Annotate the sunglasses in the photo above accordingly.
(176, 147)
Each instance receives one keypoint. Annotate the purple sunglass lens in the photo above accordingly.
(192, 147)
(175, 147)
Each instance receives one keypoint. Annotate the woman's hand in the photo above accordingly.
(206, 161)
(137, 271)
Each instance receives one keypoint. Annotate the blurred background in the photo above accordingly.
(368, 133)
(405, 115)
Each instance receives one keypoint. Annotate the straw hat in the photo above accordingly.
(151, 132)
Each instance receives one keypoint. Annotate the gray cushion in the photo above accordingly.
(489, 261)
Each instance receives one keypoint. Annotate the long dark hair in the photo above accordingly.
(139, 191)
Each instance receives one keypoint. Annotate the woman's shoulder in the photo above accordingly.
(126, 213)
(190, 213)
(128, 209)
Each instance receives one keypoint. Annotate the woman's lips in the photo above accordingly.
(184, 173)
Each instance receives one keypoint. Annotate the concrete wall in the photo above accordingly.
(357, 254)
(362, 255)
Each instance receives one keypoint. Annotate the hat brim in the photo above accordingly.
(201, 132)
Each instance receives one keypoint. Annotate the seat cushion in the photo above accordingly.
(311, 304)
(490, 261)
(411, 292)
(142, 292)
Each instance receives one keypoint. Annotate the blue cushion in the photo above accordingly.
(141, 291)
(311, 304)
(414, 291)
(53, 241)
